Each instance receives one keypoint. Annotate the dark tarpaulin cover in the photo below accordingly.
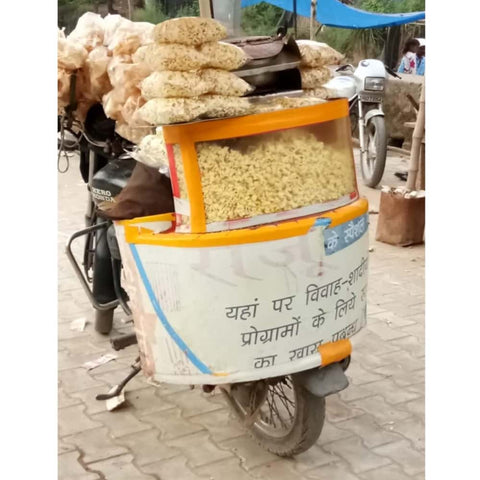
(335, 14)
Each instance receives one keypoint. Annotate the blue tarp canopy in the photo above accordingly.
(335, 14)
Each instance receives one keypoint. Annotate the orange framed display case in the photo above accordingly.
(257, 169)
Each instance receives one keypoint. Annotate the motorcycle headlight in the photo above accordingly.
(376, 84)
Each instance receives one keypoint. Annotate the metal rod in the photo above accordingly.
(78, 271)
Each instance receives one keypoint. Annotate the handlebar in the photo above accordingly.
(392, 73)
(344, 67)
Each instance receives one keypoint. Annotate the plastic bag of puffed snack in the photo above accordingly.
(168, 84)
(111, 23)
(218, 106)
(127, 75)
(96, 67)
(70, 56)
(320, 92)
(315, 77)
(189, 31)
(139, 55)
(164, 111)
(63, 87)
(130, 108)
(89, 31)
(173, 57)
(225, 83)
(317, 54)
(223, 55)
(130, 36)
(132, 134)
(152, 151)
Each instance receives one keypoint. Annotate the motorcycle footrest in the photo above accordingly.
(123, 341)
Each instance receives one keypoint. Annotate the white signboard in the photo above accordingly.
(244, 312)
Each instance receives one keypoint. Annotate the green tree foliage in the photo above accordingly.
(260, 19)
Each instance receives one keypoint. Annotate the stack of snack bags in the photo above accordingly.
(99, 50)
(316, 57)
(191, 76)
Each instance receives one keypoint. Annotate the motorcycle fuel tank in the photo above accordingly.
(110, 180)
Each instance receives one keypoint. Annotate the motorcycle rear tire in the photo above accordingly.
(104, 321)
(377, 125)
(305, 430)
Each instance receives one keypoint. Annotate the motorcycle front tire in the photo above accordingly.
(375, 131)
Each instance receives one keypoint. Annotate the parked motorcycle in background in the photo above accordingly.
(365, 89)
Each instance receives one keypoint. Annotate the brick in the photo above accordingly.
(226, 469)
(417, 407)
(147, 447)
(361, 376)
(64, 447)
(391, 392)
(411, 345)
(371, 433)
(121, 422)
(414, 430)
(402, 453)
(400, 376)
(359, 458)
(65, 400)
(314, 457)
(145, 401)
(73, 419)
(391, 319)
(199, 449)
(390, 472)
(337, 471)
(248, 450)
(279, 470)
(81, 346)
(220, 424)
(172, 469)
(77, 379)
(193, 403)
(331, 433)
(171, 424)
(70, 469)
(88, 398)
(96, 444)
(337, 410)
(380, 410)
(387, 333)
(115, 377)
(120, 468)
(404, 359)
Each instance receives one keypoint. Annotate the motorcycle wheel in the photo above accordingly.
(290, 418)
(373, 164)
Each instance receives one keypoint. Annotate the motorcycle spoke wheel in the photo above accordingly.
(287, 418)
(373, 163)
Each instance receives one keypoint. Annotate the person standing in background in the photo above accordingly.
(421, 57)
(408, 64)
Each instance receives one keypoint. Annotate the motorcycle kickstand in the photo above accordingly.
(136, 368)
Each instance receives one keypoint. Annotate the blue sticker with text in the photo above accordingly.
(341, 236)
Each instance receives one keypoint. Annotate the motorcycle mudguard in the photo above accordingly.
(376, 112)
(324, 381)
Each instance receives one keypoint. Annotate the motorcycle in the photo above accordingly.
(364, 87)
(105, 168)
